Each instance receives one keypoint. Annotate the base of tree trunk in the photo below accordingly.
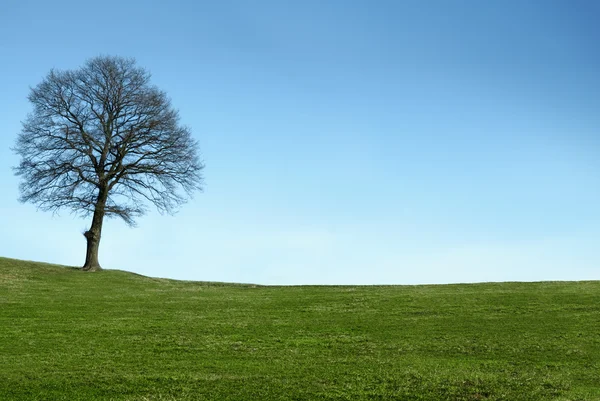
(92, 237)
(95, 268)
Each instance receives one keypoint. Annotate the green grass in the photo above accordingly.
(70, 335)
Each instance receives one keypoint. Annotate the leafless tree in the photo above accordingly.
(102, 140)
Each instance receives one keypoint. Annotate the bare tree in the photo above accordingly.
(102, 140)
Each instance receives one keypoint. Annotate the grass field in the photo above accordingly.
(70, 335)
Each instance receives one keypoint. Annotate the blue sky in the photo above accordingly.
(345, 142)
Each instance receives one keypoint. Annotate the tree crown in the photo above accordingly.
(104, 133)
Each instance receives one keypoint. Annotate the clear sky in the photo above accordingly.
(345, 141)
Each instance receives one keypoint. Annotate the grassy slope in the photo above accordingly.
(69, 335)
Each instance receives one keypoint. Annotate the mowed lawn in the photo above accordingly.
(70, 335)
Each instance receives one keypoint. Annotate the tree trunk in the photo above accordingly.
(93, 235)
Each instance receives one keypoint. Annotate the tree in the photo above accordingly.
(102, 140)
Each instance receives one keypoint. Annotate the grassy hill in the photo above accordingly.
(70, 335)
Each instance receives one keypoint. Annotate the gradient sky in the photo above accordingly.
(345, 141)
